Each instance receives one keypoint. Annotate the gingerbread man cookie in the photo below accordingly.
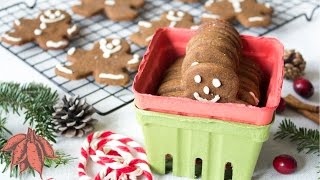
(108, 61)
(248, 12)
(52, 29)
(177, 19)
(116, 10)
(188, 1)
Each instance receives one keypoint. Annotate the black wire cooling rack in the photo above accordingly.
(107, 99)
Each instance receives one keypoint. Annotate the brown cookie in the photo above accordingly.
(188, 1)
(108, 61)
(177, 19)
(116, 10)
(249, 13)
(52, 29)
(209, 82)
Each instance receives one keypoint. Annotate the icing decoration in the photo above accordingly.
(57, 13)
(206, 90)
(194, 63)
(43, 26)
(109, 48)
(17, 22)
(209, 3)
(61, 68)
(214, 100)
(197, 78)
(72, 29)
(57, 44)
(148, 39)
(121, 157)
(195, 27)
(111, 76)
(37, 32)
(71, 51)
(267, 5)
(52, 17)
(216, 83)
(236, 5)
(255, 18)
(256, 100)
(210, 16)
(174, 19)
(145, 24)
(109, 2)
(135, 59)
(10, 38)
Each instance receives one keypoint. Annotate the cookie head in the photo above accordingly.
(176, 16)
(113, 46)
(54, 16)
(207, 82)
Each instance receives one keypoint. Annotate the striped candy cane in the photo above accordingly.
(121, 157)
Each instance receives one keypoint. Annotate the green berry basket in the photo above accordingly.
(219, 135)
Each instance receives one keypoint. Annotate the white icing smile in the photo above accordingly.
(199, 98)
(110, 48)
(206, 90)
(51, 17)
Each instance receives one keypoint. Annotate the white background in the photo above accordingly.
(299, 34)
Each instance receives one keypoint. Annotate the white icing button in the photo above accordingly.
(109, 2)
(109, 46)
(171, 13)
(197, 79)
(206, 90)
(216, 82)
(116, 42)
(37, 32)
(57, 13)
(43, 26)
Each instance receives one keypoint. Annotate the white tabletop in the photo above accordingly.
(299, 34)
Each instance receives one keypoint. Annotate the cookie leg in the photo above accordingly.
(111, 77)
(72, 71)
(52, 41)
(137, 3)
(126, 14)
(249, 19)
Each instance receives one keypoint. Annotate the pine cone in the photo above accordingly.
(73, 117)
(294, 64)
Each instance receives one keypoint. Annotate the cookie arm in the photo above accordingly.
(72, 31)
(137, 3)
(88, 8)
(219, 10)
(132, 62)
(22, 33)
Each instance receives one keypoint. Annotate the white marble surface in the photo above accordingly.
(299, 34)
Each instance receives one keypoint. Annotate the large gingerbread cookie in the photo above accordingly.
(248, 12)
(109, 61)
(52, 29)
(116, 10)
(177, 19)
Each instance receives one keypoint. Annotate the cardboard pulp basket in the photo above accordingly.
(216, 133)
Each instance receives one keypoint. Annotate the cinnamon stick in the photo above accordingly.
(310, 115)
(296, 103)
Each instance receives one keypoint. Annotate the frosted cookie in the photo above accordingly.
(108, 61)
(249, 13)
(174, 19)
(116, 10)
(52, 29)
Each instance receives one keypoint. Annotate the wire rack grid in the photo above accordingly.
(107, 99)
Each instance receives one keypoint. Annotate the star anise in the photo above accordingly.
(28, 151)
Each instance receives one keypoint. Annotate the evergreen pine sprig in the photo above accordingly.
(306, 139)
(36, 100)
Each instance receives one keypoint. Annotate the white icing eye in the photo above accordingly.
(206, 90)
(197, 79)
(171, 13)
(47, 13)
(216, 82)
(103, 41)
(180, 13)
(57, 13)
(116, 42)
(109, 46)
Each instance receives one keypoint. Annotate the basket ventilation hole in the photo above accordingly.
(198, 168)
(169, 163)
(228, 171)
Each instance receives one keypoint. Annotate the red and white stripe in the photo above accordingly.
(121, 157)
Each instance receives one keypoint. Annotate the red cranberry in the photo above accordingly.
(303, 87)
(285, 164)
(282, 106)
